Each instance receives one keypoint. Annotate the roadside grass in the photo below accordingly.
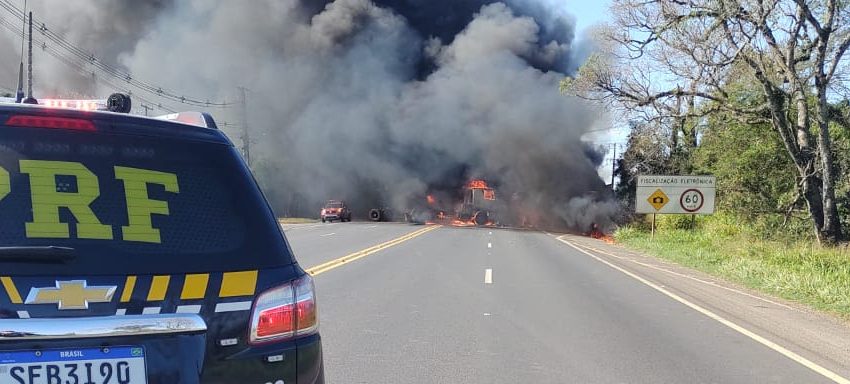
(296, 220)
(798, 270)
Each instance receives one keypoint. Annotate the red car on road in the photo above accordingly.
(335, 210)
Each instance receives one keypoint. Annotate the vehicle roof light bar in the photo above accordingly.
(117, 102)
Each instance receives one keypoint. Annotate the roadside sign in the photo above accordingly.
(658, 199)
(692, 200)
(675, 194)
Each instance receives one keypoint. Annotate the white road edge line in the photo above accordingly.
(752, 335)
(711, 283)
(488, 276)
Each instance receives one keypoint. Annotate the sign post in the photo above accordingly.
(653, 227)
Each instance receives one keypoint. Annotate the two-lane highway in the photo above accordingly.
(479, 305)
(321, 242)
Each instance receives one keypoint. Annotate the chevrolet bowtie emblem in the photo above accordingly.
(74, 294)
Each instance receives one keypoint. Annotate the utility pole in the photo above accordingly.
(246, 138)
(146, 108)
(29, 59)
(29, 99)
(613, 165)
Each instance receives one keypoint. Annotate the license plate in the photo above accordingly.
(113, 365)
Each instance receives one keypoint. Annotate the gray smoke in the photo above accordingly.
(377, 104)
(104, 30)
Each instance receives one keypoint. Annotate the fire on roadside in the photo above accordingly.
(596, 233)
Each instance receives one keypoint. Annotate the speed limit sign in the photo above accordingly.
(691, 200)
(658, 194)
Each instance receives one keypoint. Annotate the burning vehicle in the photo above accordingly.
(473, 204)
(479, 205)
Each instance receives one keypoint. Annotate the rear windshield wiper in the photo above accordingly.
(47, 255)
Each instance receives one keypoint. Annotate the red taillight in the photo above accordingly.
(50, 122)
(285, 312)
(275, 321)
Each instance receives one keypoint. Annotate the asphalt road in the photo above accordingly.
(427, 310)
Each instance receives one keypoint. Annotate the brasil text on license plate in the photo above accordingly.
(112, 365)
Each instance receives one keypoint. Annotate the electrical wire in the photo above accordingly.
(84, 57)
(82, 70)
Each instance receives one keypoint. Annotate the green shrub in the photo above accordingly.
(779, 262)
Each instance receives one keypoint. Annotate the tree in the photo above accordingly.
(793, 49)
(756, 178)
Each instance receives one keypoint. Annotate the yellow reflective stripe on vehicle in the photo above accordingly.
(11, 290)
(159, 287)
(129, 284)
(238, 284)
(195, 286)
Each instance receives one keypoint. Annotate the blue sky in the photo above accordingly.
(587, 12)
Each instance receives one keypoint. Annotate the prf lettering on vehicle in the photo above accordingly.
(47, 199)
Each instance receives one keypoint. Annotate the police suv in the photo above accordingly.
(139, 250)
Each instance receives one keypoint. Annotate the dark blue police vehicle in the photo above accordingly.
(139, 250)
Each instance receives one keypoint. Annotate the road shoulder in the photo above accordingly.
(820, 338)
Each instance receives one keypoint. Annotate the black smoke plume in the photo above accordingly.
(375, 102)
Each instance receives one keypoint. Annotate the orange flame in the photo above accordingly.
(599, 235)
(430, 199)
(477, 184)
(463, 223)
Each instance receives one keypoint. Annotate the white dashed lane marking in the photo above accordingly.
(488, 276)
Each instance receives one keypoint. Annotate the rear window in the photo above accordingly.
(334, 205)
(132, 204)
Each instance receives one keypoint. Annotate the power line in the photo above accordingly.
(82, 70)
(89, 59)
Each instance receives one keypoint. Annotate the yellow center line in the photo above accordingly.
(324, 267)
(744, 331)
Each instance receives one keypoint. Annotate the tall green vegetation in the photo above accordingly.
(742, 89)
